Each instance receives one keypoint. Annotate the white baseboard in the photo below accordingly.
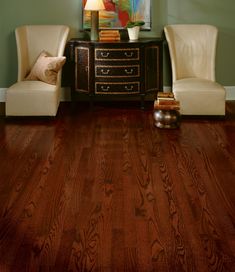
(166, 89)
(65, 93)
(230, 92)
(2, 94)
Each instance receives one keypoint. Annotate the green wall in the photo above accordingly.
(219, 13)
(215, 12)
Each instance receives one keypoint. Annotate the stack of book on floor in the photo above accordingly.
(109, 35)
(166, 101)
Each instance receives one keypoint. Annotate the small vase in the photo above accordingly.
(133, 33)
(166, 118)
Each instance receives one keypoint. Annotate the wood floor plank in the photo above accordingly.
(106, 190)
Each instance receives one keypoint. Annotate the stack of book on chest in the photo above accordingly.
(109, 35)
(166, 101)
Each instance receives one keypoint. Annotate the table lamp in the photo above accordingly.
(94, 6)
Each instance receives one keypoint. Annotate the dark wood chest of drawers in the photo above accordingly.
(116, 68)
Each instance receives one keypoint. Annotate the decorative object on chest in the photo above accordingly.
(114, 68)
(166, 112)
(133, 29)
(94, 6)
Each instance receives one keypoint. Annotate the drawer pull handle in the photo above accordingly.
(105, 89)
(129, 72)
(130, 88)
(129, 55)
(105, 72)
(104, 54)
(86, 69)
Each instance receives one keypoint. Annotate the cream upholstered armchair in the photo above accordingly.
(192, 52)
(35, 97)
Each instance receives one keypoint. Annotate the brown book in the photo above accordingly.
(109, 35)
(157, 106)
(104, 36)
(166, 107)
(109, 38)
(168, 102)
(165, 95)
(109, 32)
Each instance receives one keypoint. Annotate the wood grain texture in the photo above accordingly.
(108, 191)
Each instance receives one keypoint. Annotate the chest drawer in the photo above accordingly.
(111, 54)
(117, 71)
(117, 87)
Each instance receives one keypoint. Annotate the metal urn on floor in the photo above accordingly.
(166, 118)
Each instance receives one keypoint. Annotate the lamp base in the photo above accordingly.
(94, 25)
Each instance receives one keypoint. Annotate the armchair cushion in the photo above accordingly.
(32, 98)
(199, 96)
(46, 68)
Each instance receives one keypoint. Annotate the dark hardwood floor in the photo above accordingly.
(107, 191)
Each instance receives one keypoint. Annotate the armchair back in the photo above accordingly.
(192, 50)
(32, 39)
